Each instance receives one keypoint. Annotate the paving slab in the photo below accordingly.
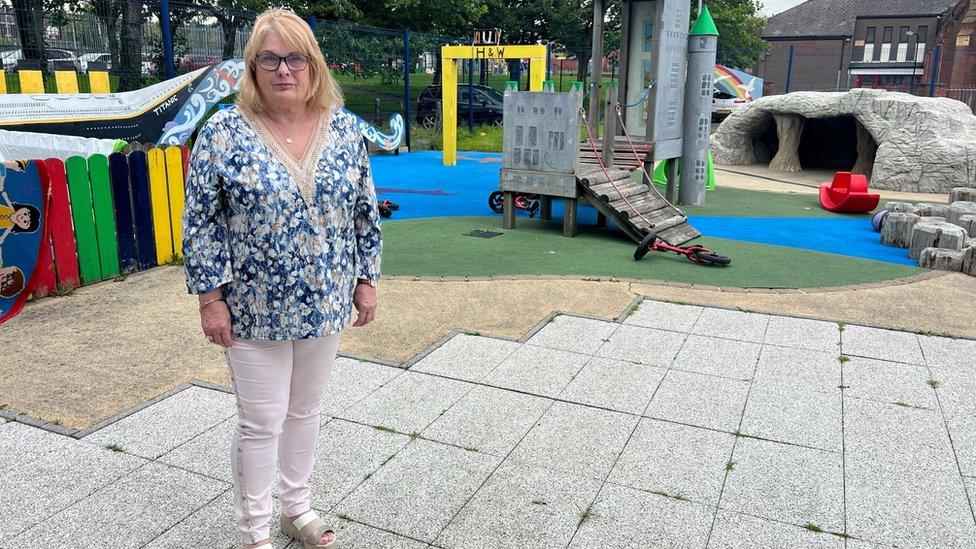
(881, 344)
(945, 353)
(798, 368)
(32, 490)
(537, 370)
(164, 425)
(732, 325)
(578, 440)
(643, 345)
(129, 512)
(212, 526)
(700, 400)
(489, 420)
(908, 508)
(795, 415)
(207, 454)
(718, 357)
(961, 421)
(803, 333)
(786, 483)
(466, 357)
(353, 535)
(346, 454)
(889, 382)
(571, 333)
(738, 531)
(614, 384)
(404, 496)
(906, 438)
(409, 403)
(522, 506)
(351, 381)
(676, 460)
(21, 443)
(664, 316)
(623, 517)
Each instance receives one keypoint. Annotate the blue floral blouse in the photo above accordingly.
(284, 238)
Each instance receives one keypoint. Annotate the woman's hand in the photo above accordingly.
(365, 301)
(215, 320)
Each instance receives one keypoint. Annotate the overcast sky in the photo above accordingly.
(772, 7)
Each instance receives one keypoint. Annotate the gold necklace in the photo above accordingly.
(280, 131)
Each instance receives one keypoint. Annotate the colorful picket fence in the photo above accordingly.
(111, 216)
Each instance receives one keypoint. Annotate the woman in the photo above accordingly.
(281, 237)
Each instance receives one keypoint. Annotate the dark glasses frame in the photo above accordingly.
(296, 58)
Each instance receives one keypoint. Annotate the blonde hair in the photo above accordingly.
(323, 92)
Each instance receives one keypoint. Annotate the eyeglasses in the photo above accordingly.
(270, 62)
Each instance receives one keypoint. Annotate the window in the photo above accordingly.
(706, 85)
(871, 35)
(886, 38)
(868, 52)
(703, 127)
(902, 44)
(885, 52)
(701, 169)
(920, 47)
(672, 113)
(675, 68)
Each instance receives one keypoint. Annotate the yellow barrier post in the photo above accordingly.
(98, 81)
(65, 77)
(31, 78)
(3, 82)
(450, 55)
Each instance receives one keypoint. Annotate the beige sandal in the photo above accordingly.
(308, 529)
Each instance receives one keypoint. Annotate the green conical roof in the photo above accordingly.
(704, 26)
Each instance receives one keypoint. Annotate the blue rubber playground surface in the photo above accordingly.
(423, 187)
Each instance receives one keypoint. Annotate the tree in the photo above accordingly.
(130, 58)
(740, 43)
(30, 28)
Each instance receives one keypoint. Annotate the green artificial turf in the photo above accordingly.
(725, 201)
(438, 247)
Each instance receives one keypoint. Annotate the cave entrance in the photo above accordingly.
(793, 143)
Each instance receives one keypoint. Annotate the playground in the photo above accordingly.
(553, 364)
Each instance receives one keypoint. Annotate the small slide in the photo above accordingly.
(848, 193)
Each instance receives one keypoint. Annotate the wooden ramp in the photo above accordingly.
(633, 206)
(623, 154)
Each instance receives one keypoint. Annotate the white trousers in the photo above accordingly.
(279, 387)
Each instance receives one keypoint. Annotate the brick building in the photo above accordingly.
(832, 45)
(956, 59)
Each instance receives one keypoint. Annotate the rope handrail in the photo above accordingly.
(644, 96)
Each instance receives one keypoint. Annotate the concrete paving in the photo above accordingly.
(675, 426)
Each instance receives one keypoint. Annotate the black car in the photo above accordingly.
(487, 105)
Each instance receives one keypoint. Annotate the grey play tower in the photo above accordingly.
(661, 84)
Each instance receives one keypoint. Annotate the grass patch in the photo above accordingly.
(841, 326)
(383, 428)
(934, 383)
(471, 449)
(62, 290)
(813, 528)
(843, 359)
(539, 502)
(633, 309)
(114, 447)
(588, 514)
(438, 247)
(343, 516)
(730, 465)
